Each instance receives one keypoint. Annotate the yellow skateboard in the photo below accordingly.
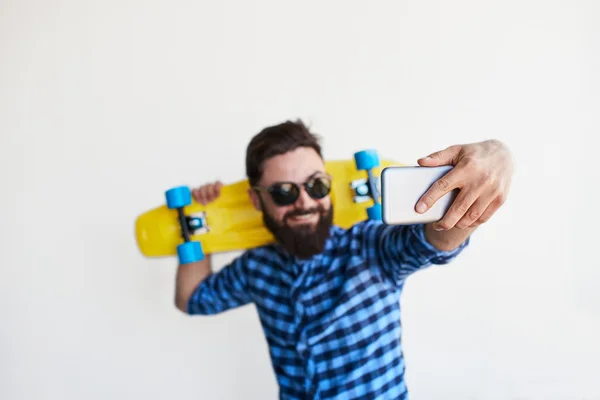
(189, 229)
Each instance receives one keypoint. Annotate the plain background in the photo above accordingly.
(106, 104)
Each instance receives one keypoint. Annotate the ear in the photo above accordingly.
(254, 199)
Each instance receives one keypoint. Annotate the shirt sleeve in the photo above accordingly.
(403, 249)
(222, 290)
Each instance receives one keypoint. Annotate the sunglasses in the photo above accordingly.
(286, 193)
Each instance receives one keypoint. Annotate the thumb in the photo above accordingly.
(448, 156)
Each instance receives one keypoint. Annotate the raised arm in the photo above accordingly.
(200, 291)
(188, 278)
(401, 250)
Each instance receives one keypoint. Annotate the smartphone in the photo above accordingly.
(401, 189)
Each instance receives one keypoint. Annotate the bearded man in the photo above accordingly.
(327, 297)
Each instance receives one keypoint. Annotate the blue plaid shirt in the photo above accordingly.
(332, 323)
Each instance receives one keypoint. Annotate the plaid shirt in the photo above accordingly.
(332, 323)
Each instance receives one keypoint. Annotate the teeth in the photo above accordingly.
(305, 216)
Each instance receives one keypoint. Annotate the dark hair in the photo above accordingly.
(275, 140)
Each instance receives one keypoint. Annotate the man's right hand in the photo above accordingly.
(207, 193)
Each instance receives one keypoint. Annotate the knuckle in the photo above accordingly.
(444, 224)
(462, 207)
(474, 214)
(470, 162)
(443, 184)
(463, 223)
(501, 199)
(474, 165)
(496, 143)
(486, 177)
(427, 199)
(437, 154)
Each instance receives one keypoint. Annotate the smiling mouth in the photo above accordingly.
(303, 217)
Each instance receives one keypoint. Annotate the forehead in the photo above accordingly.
(296, 166)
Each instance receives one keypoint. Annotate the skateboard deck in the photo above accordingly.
(231, 223)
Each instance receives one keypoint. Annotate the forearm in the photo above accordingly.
(188, 277)
(447, 240)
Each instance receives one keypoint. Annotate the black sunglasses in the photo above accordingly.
(286, 193)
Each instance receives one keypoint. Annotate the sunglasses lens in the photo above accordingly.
(319, 188)
(285, 193)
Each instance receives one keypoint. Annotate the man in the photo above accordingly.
(328, 298)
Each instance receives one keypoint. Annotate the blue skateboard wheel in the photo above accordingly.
(366, 159)
(178, 197)
(375, 212)
(190, 252)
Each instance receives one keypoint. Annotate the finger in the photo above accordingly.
(448, 156)
(203, 195)
(461, 204)
(216, 189)
(211, 193)
(489, 211)
(450, 181)
(196, 194)
(475, 211)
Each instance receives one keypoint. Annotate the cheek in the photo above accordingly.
(276, 212)
(325, 203)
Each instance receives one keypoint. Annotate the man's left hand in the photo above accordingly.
(483, 173)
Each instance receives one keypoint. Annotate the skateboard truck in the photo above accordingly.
(367, 189)
(362, 190)
(189, 251)
(196, 223)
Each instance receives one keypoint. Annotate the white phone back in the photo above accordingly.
(402, 187)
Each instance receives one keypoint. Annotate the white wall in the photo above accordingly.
(104, 105)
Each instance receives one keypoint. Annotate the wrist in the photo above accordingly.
(447, 240)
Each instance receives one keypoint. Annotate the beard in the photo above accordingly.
(302, 241)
